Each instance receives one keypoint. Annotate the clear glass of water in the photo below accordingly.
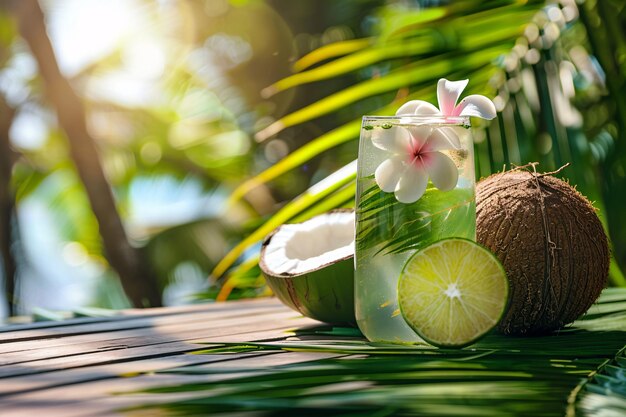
(389, 231)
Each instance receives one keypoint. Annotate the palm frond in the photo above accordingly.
(330, 51)
(444, 41)
(574, 370)
(320, 191)
(327, 141)
(604, 392)
(460, 33)
(427, 70)
(340, 135)
(403, 227)
(536, 121)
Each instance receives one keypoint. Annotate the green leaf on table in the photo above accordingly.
(394, 227)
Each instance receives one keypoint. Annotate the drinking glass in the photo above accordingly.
(389, 231)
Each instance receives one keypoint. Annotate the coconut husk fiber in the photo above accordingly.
(551, 243)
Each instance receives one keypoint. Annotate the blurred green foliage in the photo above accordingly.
(555, 101)
(257, 103)
(172, 105)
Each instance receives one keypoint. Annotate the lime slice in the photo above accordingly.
(453, 292)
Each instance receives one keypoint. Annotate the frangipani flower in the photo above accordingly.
(415, 158)
(448, 93)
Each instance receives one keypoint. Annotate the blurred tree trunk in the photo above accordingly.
(7, 206)
(136, 276)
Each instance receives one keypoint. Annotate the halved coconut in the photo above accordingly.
(310, 266)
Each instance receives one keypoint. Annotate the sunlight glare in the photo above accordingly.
(96, 29)
(29, 130)
(144, 58)
(75, 254)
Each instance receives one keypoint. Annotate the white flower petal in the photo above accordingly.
(478, 106)
(417, 107)
(388, 173)
(452, 136)
(419, 136)
(443, 138)
(412, 184)
(442, 171)
(395, 139)
(448, 93)
(408, 108)
(426, 109)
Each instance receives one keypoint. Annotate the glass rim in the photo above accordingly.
(464, 120)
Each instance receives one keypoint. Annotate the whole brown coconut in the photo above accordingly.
(551, 244)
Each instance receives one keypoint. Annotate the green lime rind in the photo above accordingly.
(476, 337)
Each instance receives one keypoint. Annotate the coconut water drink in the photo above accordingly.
(415, 185)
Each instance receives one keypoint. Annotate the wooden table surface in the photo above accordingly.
(72, 367)
(75, 367)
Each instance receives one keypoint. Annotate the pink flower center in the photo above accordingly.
(418, 152)
(420, 157)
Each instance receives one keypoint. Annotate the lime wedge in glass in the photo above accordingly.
(453, 292)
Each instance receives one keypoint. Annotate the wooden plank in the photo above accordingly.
(95, 398)
(53, 368)
(137, 327)
(12, 385)
(271, 329)
(128, 319)
(84, 344)
(122, 314)
(71, 377)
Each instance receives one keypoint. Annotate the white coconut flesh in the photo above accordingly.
(299, 248)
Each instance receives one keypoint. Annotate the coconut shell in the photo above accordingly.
(551, 244)
(325, 293)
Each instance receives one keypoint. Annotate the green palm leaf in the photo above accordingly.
(320, 191)
(460, 40)
(329, 51)
(577, 371)
(327, 141)
(338, 136)
(457, 34)
(400, 227)
(426, 70)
